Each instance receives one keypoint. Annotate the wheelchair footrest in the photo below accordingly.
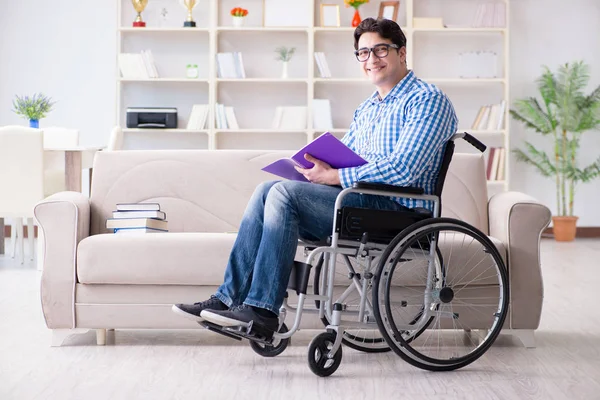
(251, 332)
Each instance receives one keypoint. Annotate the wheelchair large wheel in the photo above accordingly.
(460, 315)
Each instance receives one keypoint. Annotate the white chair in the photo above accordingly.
(115, 142)
(54, 161)
(22, 177)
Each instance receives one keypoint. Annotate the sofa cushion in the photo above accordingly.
(156, 258)
(173, 259)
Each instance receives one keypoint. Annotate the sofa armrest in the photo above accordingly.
(64, 220)
(518, 220)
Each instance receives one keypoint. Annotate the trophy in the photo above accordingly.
(189, 5)
(139, 6)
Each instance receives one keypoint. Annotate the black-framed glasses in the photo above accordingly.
(380, 50)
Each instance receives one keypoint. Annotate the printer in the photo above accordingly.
(152, 117)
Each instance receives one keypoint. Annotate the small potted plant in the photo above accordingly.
(238, 14)
(33, 108)
(284, 54)
(356, 5)
(564, 113)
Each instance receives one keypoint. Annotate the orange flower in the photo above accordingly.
(239, 12)
(355, 3)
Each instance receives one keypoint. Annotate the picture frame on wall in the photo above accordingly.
(389, 10)
(287, 13)
(330, 15)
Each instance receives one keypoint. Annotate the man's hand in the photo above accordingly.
(321, 172)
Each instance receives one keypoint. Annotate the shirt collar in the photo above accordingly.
(397, 91)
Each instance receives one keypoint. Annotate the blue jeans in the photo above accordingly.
(279, 212)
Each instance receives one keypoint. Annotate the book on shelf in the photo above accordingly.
(198, 116)
(225, 117)
(490, 117)
(322, 119)
(290, 117)
(490, 14)
(495, 163)
(326, 148)
(230, 65)
(137, 65)
(322, 64)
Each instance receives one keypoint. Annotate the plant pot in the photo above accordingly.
(34, 123)
(284, 71)
(564, 228)
(356, 20)
(238, 21)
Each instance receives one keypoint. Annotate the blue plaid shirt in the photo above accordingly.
(402, 137)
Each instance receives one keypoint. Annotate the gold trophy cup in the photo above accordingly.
(139, 6)
(189, 5)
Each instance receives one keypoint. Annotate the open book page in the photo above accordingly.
(326, 148)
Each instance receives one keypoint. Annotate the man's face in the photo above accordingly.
(385, 70)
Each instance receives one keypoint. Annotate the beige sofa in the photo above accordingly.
(93, 279)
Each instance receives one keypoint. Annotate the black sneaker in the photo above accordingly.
(192, 311)
(241, 316)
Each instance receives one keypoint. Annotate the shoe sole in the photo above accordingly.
(221, 320)
(187, 315)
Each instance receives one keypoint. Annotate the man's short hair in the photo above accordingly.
(386, 28)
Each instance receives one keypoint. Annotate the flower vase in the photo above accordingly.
(238, 21)
(284, 71)
(34, 123)
(356, 20)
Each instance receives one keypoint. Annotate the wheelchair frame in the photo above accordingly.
(365, 252)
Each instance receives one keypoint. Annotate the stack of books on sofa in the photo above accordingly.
(137, 218)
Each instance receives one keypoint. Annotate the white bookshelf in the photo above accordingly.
(431, 52)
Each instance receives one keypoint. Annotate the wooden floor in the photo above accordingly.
(201, 365)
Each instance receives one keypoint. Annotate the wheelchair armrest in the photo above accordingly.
(388, 188)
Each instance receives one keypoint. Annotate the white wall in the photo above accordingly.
(67, 50)
(552, 32)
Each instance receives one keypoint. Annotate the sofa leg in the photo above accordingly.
(59, 335)
(100, 337)
(526, 336)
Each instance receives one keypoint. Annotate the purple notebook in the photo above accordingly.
(326, 148)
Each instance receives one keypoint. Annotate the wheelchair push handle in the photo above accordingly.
(472, 140)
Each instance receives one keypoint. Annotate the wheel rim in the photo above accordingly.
(472, 290)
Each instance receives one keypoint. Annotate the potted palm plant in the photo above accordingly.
(564, 114)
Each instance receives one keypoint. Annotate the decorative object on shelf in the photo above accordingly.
(191, 71)
(163, 17)
(389, 10)
(478, 64)
(428, 23)
(33, 108)
(139, 6)
(189, 6)
(285, 54)
(238, 14)
(286, 13)
(356, 5)
(330, 15)
(566, 112)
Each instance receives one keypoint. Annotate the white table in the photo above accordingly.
(73, 165)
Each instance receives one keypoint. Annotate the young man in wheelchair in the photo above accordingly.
(401, 130)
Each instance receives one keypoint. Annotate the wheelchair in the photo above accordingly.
(433, 290)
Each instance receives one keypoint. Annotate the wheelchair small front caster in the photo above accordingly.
(271, 351)
(318, 349)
